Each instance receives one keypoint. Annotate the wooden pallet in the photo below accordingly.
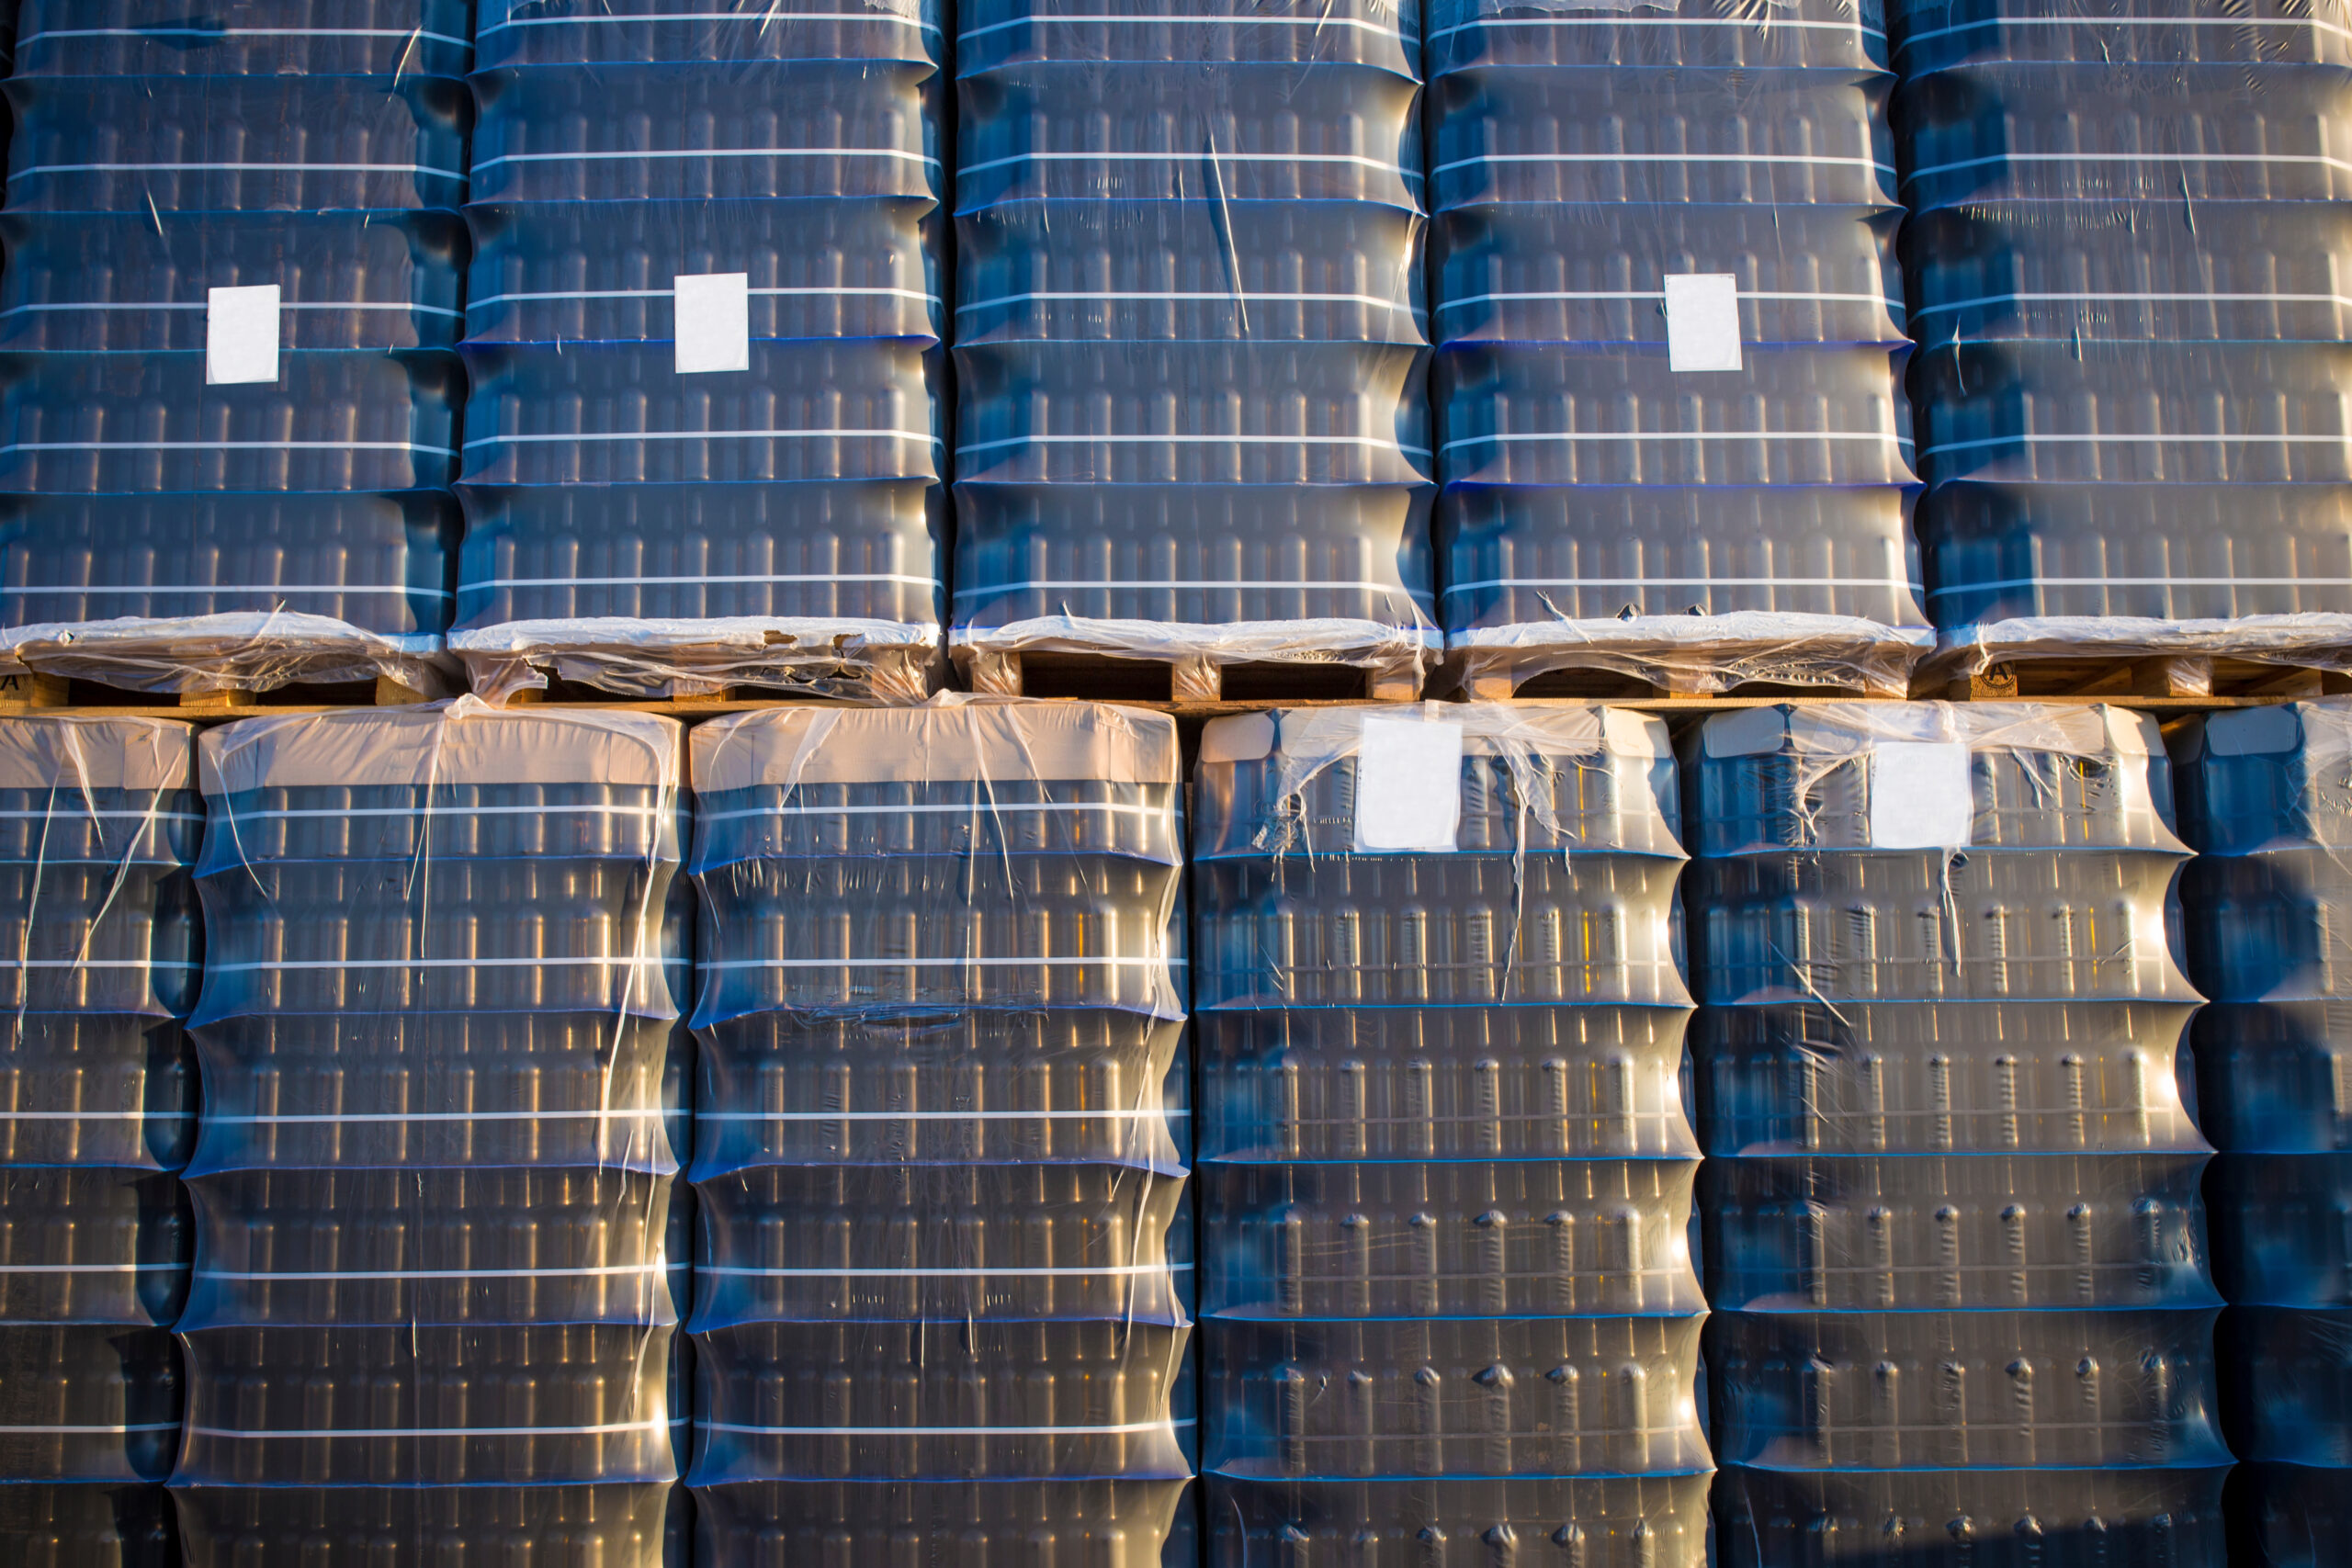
(35, 693)
(1181, 683)
(2188, 679)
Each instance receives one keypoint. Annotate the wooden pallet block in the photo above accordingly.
(31, 690)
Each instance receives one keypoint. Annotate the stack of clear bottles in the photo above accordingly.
(1954, 1244)
(172, 520)
(438, 1272)
(2127, 239)
(1191, 426)
(945, 1267)
(100, 822)
(1632, 484)
(1450, 1314)
(663, 495)
(2268, 903)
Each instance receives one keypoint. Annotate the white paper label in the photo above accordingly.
(1919, 795)
(1702, 321)
(240, 335)
(1408, 784)
(714, 321)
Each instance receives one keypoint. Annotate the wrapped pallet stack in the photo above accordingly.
(1954, 1243)
(431, 1320)
(1451, 1311)
(1670, 345)
(704, 329)
(230, 415)
(2127, 240)
(944, 1292)
(1192, 428)
(2264, 798)
(100, 822)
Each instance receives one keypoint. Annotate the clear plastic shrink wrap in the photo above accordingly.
(945, 1276)
(100, 820)
(228, 392)
(2127, 238)
(1954, 1245)
(1451, 1311)
(438, 1267)
(1190, 339)
(703, 322)
(1673, 436)
(2265, 798)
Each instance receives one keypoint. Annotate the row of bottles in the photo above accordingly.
(419, 1282)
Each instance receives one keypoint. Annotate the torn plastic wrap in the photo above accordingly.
(945, 1273)
(1954, 1241)
(169, 522)
(2124, 254)
(438, 1267)
(1191, 344)
(2267, 799)
(1450, 1306)
(101, 821)
(1631, 485)
(666, 493)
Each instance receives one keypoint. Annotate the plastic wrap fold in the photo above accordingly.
(439, 1270)
(945, 1276)
(1449, 1292)
(666, 495)
(1955, 1234)
(167, 524)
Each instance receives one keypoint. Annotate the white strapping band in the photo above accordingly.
(1253, 584)
(654, 582)
(2144, 582)
(1105, 963)
(1664, 158)
(600, 157)
(1109, 1271)
(765, 18)
(704, 435)
(1774, 25)
(1122, 1430)
(1103, 1116)
(1319, 23)
(609, 1428)
(1691, 435)
(1371, 440)
(1682, 582)
(1386, 165)
(2124, 437)
(2319, 158)
(1212, 296)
